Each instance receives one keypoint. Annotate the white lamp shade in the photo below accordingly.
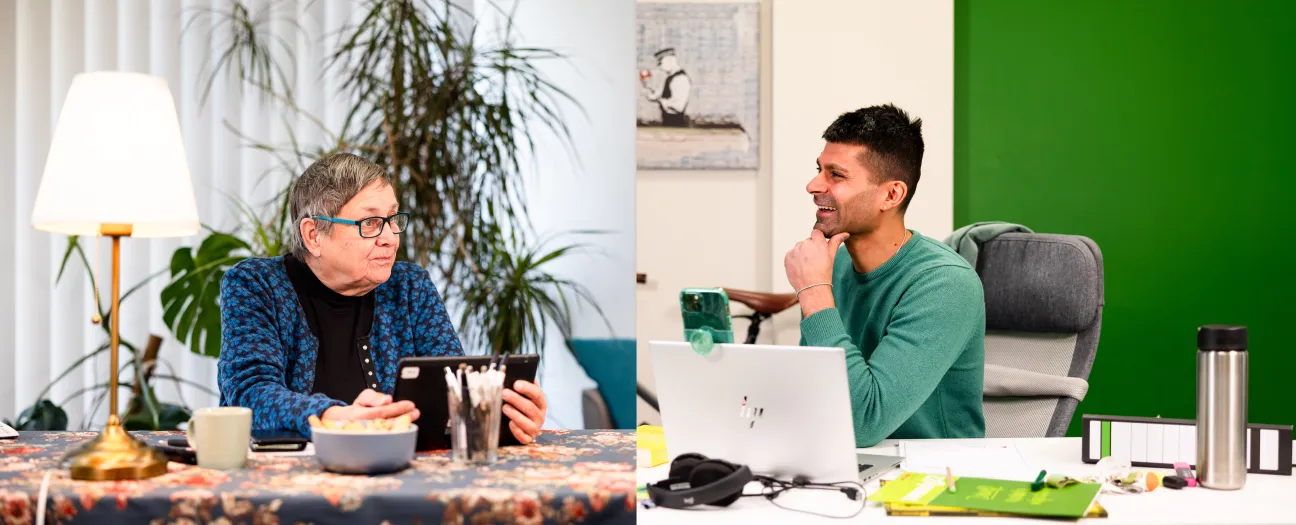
(117, 157)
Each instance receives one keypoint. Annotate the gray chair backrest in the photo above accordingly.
(595, 409)
(1044, 300)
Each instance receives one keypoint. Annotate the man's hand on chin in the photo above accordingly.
(809, 267)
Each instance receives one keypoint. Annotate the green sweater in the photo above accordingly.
(913, 331)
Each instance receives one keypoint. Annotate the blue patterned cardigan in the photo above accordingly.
(267, 356)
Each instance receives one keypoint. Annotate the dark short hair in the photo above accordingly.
(894, 143)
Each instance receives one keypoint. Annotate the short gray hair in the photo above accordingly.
(325, 187)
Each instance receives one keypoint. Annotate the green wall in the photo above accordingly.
(1165, 130)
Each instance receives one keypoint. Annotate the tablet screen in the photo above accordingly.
(422, 381)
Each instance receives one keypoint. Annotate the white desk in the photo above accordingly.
(1264, 499)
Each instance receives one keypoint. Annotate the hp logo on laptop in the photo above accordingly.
(750, 413)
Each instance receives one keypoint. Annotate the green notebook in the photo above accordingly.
(1013, 497)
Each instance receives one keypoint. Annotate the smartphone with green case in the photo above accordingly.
(706, 317)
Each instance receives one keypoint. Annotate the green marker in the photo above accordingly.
(1039, 482)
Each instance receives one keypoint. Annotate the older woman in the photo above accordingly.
(304, 333)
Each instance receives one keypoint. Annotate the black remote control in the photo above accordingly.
(179, 455)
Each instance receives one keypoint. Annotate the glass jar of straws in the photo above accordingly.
(475, 397)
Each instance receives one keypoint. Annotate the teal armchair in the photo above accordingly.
(611, 364)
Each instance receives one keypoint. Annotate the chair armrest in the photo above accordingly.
(1004, 381)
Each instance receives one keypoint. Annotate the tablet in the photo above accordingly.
(422, 381)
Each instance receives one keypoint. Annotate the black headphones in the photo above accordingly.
(697, 480)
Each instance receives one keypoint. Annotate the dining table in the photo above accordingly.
(564, 476)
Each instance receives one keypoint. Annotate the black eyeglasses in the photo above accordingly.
(371, 227)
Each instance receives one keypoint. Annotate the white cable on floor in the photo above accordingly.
(44, 493)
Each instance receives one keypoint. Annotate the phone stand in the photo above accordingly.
(706, 318)
(703, 339)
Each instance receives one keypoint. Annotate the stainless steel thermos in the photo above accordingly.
(1221, 406)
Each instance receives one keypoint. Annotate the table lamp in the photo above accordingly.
(116, 167)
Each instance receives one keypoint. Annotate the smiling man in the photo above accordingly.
(908, 310)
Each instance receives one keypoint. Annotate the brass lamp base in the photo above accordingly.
(115, 455)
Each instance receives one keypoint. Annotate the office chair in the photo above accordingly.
(1044, 300)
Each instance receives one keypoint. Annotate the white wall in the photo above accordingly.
(820, 58)
(594, 190)
(701, 228)
(8, 149)
(877, 51)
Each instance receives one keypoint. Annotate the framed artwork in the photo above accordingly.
(699, 79)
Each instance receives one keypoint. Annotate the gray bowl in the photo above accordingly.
(359, 452)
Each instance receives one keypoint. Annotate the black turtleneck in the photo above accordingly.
(341, 324)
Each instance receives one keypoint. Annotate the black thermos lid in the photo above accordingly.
(1222, 337)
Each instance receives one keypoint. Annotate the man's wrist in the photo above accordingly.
(815, 299)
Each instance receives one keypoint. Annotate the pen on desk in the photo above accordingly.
(949, 481)
(1039, 482)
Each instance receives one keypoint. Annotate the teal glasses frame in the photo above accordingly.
(359, 224)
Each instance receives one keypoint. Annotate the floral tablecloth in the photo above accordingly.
(566, 476)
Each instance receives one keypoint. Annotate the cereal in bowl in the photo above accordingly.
(397, 424)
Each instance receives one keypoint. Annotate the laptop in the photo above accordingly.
(781, 410)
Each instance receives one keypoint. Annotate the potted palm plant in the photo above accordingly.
(450, 115)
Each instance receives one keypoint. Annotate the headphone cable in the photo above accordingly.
(770, 492)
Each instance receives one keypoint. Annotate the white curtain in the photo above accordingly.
(45, 326)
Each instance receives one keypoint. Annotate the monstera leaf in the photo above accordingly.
(169, 417)
(42, 415)
(189, 301)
